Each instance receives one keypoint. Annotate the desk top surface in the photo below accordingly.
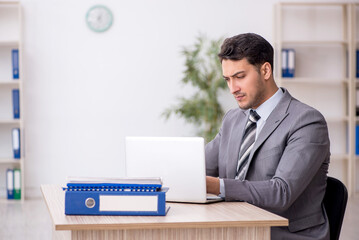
(180, 215)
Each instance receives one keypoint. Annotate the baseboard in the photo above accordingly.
(33, 193)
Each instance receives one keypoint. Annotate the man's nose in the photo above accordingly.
(233, 87)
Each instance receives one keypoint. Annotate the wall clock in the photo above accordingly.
(99, 18)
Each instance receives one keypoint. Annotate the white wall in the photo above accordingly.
(86, 91)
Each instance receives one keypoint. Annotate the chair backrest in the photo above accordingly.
(335, 202)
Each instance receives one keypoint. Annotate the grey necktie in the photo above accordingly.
(247, 144)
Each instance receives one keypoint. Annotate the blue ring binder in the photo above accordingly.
(115, 199)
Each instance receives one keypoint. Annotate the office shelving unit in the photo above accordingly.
(322, 35)
(10, 38)
(355, 44)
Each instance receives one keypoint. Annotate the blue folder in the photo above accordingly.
(16, 143)
(15, 63)
(10, 183)
(285, 63)
(16, 103)
(115, 199)
(357, 64)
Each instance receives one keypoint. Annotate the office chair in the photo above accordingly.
(335, 202)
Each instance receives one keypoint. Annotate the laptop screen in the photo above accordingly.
(180, 161)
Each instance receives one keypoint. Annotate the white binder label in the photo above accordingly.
(284, 59)
(15, 138)
(128, 203)
(291, 59)
(17, 179)
(10, 180)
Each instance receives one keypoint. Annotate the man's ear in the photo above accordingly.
(266, 70)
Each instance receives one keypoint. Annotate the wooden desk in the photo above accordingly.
(223, 220)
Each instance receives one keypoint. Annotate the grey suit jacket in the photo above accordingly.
(287, 167)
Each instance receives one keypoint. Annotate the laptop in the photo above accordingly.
(179, 161)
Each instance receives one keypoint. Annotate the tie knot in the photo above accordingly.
(253, 116)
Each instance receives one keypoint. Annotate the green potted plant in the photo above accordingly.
(204, 72)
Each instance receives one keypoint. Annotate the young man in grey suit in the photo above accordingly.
(272, 151)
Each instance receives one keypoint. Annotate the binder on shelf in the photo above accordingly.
(15, 63)
(16, 103)
(16, 142)
(357, 139)
(116, 197)
(357, 63)
(288, 63)
(284, 62)
(291, 62)
(17, 183)
(10, 183)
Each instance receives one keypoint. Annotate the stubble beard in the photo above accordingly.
(257, 99)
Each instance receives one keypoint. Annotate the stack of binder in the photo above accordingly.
(119, 196)
(288, 63)
(13, 183)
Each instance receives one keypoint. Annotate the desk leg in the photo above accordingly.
(231, 233)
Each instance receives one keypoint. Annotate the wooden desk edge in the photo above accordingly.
(47, 205)
(177, 225)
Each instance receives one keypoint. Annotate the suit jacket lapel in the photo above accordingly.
(236, 140)
(278, 114)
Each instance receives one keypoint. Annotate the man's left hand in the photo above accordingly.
(213, 185)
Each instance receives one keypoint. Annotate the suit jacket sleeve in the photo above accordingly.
(305, 149)
(212, 154)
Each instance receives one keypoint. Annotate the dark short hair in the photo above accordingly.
(251, 46)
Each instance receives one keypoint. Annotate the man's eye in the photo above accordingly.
(225, 79)
(239, 77)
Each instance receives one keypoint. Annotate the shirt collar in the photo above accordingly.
(265, 109)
